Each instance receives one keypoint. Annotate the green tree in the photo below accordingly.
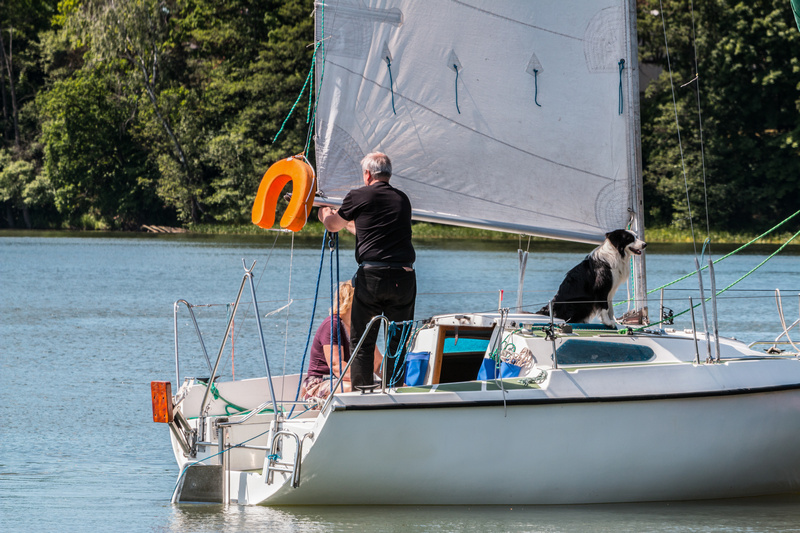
(21, 22)
(248, 61)
(15, 177)
(138, 33)
(744, 164)
(97, 170)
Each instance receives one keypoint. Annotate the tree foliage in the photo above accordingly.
(119, 113)
(737, 76)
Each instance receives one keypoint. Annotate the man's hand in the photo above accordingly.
(331, 219)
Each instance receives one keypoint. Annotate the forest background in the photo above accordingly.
(165, 112)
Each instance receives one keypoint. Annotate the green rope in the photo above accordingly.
(299, 96)
(505, 344)
(311, 92)
(313, 115)
(739, 249)
(230, 405)
(776, 252)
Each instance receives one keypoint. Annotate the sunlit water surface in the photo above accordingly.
(87, 323)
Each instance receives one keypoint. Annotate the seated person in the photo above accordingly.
(329, 354)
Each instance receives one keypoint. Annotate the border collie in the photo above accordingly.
(588, 289)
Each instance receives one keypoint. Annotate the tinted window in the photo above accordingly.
(580, 352)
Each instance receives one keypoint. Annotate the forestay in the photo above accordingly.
(518, 116)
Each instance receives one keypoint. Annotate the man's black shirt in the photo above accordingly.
(382, 216)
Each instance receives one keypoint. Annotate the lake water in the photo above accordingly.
(87, 323)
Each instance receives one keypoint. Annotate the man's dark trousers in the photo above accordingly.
(388, 291)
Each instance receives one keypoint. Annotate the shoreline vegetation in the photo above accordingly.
(429, 231)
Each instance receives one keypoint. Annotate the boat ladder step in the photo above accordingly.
(273, 464)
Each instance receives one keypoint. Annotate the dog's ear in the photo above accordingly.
(607, 234)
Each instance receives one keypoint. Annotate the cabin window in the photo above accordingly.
(580, 352)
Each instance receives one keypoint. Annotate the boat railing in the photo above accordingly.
(385, 322)
(224, 341)
(246, 278)
(190, 307)
(784, 328)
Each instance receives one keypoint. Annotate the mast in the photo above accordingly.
(635, 143)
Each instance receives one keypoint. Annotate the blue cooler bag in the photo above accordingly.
(416, 368)
(488, 370)
(507, 370)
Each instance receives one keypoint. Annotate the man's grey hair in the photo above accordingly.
(378, 164)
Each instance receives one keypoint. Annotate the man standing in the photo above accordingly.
(380, 217)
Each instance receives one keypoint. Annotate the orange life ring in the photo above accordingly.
(304, 187)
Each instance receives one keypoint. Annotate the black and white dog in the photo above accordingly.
(588, 289)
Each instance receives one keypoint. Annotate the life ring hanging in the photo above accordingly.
(304, 187)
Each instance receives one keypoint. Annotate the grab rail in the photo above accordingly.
(352, 358)
(293, 468)
(779, 304)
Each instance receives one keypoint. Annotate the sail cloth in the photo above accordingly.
(516, 116)
(796, 11)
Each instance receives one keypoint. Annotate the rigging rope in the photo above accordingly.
(391, 83)
(404, 337)
(677, 125)
(299, 96)
(700, 124)
(310, 322)
(455, 67)
(288, 313)
(739, 249)
(621, 101)
(333, 245)
(320, 43)
(773, 254)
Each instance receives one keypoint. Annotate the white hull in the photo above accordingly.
(560, 454)
(668, 429)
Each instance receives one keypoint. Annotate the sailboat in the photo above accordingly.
(518, 116)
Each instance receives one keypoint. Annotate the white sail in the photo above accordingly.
(507, 115)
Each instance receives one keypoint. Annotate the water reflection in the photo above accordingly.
(741, 515)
